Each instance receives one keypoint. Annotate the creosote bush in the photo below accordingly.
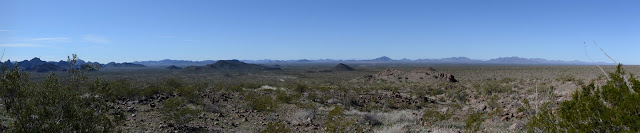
(612, 107)
(177, 110)
(54, 105)
(474, 121)
(432, 116)
(261, 102)
(337, 123)
(276, 127)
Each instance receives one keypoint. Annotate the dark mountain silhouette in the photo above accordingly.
(168, 62)
(172, 67)
(232, 65)
(45, 67)
(382, 59)
(342, 67)
(125, 64)
(27, 65)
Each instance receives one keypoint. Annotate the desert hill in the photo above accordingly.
(231, 65)
(173, 67)
(125, 64)
(342, 67)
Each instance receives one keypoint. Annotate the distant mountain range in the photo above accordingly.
(38, 65)
(168, 62)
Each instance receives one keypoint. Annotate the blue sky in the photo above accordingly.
(126, 30)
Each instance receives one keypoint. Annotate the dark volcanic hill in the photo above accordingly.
(382, 59)
(232, 65)
(168, 62)
(125, 64)
(45, 67)
(342, 67)
(172, 67)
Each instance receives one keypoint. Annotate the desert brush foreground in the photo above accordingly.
(232, 96)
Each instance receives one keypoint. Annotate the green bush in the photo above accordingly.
(53, 106)
(276, 127)
(474, 121)
(492, 87)
(114, 90)
(13, 81)
(176, 110)
(337, 121)
(190, 93)
(283, 97)
(432, 116)
(566, 78)
(261, 102)
(613, 107)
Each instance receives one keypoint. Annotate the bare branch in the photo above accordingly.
(585, 52)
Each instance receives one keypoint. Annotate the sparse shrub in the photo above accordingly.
(612, 107)
(566, 78)
(178, 111)
(172, 83)
(211, 108)
(492, 87)
(300, 88)
(283, 97)
(492, 101)
(190, 93)
(474, 121)
(306, 105)
(458, 94)
(526, 107)
(261, 102)
(337, 122)
(113, 90)
(369, 118)
(151, 90)
(276, 127)
(432, 116)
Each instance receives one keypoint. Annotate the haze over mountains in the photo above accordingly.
(385, 59)
(36, 63)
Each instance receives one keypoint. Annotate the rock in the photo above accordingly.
(333, 101)
(520, 115)
(447, 77)
(131, 109)
(505, 118)
(514, 126)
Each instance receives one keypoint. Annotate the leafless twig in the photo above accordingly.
(585, 52)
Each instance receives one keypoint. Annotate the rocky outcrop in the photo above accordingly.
(425, 74)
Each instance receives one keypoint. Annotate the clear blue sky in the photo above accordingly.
(133, 30)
